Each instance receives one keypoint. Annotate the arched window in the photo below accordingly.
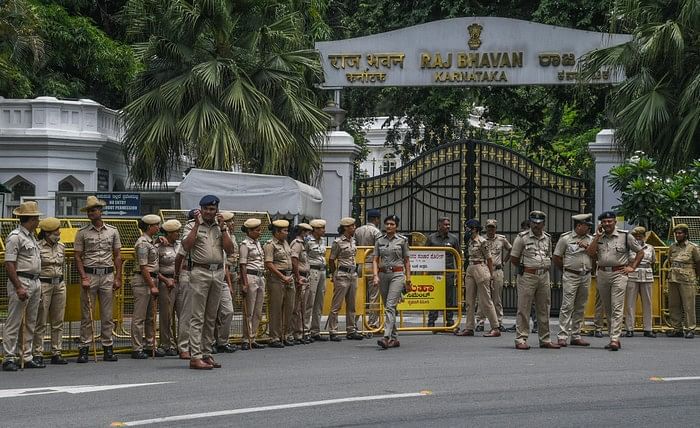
(70, 184)
(65, 186)
(20, 187)
(388, 163)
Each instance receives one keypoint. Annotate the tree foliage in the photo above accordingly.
(21, 47)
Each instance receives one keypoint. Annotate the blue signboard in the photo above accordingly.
(121, 204)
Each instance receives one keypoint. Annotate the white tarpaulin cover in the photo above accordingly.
(251, 192)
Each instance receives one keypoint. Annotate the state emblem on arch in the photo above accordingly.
(474, 36)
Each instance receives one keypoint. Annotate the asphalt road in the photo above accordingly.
(447, 381)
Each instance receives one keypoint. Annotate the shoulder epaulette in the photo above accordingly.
(86, 226)
(498, 235)
(547, 234)
(110, 226)
(523, 233)
(566, 233)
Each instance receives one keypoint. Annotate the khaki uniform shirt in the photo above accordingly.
(52, 258)
(21, 247)
(97, 245)
(146, 254)
(478, 249)
(534, 252)
(251, 254)
(316, 251)
(449, 240)
(683, 258)
(343, 250)
(614, 251)
(279, 253)
(232, 259)
(208, 247)
(391, 251)
(573, 255)
(299, 252)
(644, 272)
(496, 245)
(366, 235)
(166, 258)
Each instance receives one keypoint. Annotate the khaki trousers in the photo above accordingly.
(599, 316)
(142, 317)
(51, 311)
(183, 309)
(344, 290)
(612, 287)
(476, 281)
(532, 287)
(644, 290)
(101, 288)
(224, 317)
(681, 300)
(206, 288)
(573, 304)
(298, 314)
(16, 310)
(313, 301)
(390, 285)
(281, 308)
(496, 290)
(166, 310)
(254, 300)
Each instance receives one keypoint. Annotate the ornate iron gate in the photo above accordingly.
(475, 179)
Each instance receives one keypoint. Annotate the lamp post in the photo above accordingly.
(336, 114)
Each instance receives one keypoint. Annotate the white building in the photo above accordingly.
(381, 158)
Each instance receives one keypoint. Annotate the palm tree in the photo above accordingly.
(225, 83)
(656, 108)
(21, 47)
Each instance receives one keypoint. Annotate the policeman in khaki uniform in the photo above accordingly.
(53, 291)
(280, 284)
(222, 330)
(640, 282)
(571, 257)
(99, 263)
(684, 259)
(534, 248)
(144, 285)
(183, 297)
(497, 244)
(477, 279)
(341, 264)
(252, 271)
(23, 266)
(300, 268)
(316, 252)
(612, 247)
(205, 239)
(167, 285)
(365, 236)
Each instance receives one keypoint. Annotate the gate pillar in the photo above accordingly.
(337, 158)
(607, 155)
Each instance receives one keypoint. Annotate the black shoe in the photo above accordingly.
(277, 344)
(256, 345)
(629, 333)
(39, 361)
(690, 335)
(674, 333)
(83, 355)
(108, 354)
(534, 329)
(245, 346)
(227, 348)
(479, 327)
(33, 365)
(501, 328)
(57, 359)
(431, 323)
(158, 354)
(319, 338)
(288, 343)
(649, 334)
(139, 355)
(299, 342)
(335, 338)
(309, 339)
(171, 352)
(306, 340)
(9, 366)
(512, 329)
(214, 351)
(598, 334)
(354, 336)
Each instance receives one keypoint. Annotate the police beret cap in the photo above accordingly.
(281, 223)
(491, 222)
(537, 216)
(373, 212)
(227, 215)
(151, 219)
(317, 223)
(639, 230)
(607, 214)
(347, 221)
(305, 226)
(252, 223)
(172, 225)
(208, 200)
(49, 224)
(472, 223)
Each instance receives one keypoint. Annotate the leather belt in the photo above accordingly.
(254, 272)
(168, 275)
(680, 264)
(28, 275)
(578, 272)
(536, 271)
(498, 267)
(304, 274)
(619, 268)
(51, 280)
(475, 262)
(211, 267)
(346, 269)
(99, 270)
(318, 267)
(286, 272)
(644, 265)
(392, 269)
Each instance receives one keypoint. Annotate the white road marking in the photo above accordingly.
(268, 408)
(672, 379)
(76, 389)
